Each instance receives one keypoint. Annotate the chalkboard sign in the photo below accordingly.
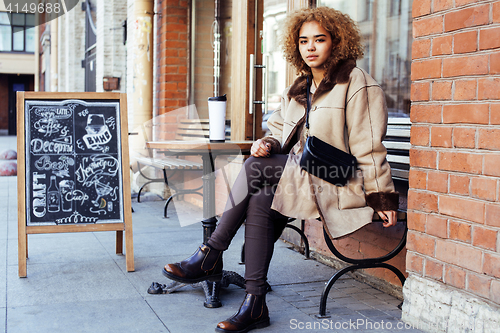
(75, 160)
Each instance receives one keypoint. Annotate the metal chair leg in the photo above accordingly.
(170, 198)
(303, 237)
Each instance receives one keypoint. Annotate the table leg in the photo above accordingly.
(209, 223)
(212, 290)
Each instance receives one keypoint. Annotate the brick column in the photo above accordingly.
(172, 57)
(453, 202)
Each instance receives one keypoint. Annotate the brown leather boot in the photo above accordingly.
(204, 264)
(253, 313)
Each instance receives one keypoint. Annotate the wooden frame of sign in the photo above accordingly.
(73, 167)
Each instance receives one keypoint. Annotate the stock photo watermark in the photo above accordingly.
(44, 10)
(364, 325)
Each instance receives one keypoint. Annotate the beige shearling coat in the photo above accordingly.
(348, 111)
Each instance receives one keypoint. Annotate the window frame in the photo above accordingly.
(24, 29)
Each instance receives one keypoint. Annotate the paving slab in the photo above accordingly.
(3, 319)
(61, 248)
(3, 274)
(154, 243)
(68, 282)
(183, 311)
(290, 267)
(119, 315)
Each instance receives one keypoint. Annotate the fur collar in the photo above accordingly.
(336, 74)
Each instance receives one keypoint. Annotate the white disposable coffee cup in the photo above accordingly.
(217, 118)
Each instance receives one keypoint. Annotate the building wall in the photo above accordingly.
(44, 56)
(453, 203)
(71, 46)
(111, 54)
(129, 82)
(17, 63)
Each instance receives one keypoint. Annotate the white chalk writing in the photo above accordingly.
(76, 195)
(44, 163)
(53, 112)
(95, 141)
(91, 168)
(39, 198)
(84, 113)
(77, 218)
(48, 147)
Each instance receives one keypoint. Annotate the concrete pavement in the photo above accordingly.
(76, 282)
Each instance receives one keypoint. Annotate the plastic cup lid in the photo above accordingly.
(218, 98)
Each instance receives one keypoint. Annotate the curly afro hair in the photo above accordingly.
(346, 36)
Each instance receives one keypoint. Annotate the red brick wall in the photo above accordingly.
(454, 208)
(172, 77)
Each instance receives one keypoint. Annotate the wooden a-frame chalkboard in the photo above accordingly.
(73, 167)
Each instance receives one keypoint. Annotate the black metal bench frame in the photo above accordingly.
(379, 262)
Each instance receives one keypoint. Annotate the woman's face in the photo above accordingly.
(315, 44)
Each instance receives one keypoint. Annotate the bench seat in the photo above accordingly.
(169, 163)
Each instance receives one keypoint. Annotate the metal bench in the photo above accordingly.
(187, 129)
(379, 262)
(397, 143)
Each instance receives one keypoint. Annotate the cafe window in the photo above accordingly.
(395, 7)
(17, 32)
(274, 13)
(366, 10)
(386, 31)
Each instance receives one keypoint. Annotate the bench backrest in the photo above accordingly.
(397, 143)
(194, 129)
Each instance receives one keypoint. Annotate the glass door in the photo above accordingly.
(274, 78)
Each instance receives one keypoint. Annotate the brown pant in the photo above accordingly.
(250, 199)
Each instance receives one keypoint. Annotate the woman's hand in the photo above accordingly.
(389, 217)
(260, 149)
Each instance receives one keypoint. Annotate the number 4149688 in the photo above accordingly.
(38, 8)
